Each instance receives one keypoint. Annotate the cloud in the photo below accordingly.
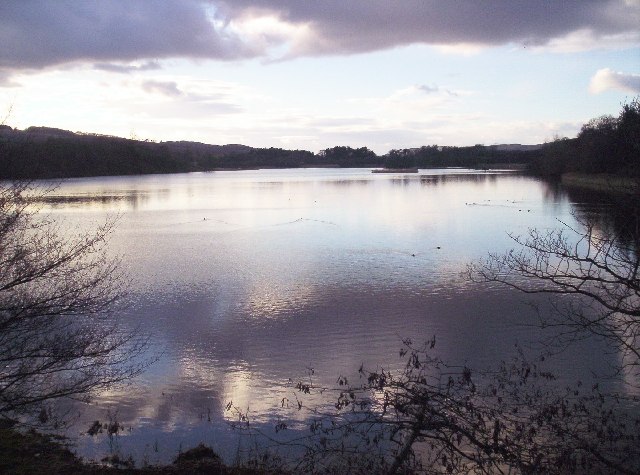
(606, 79)
(38, 34)
(186, 98)
(338, 122)
(167, 88)
(340, 27)
(127, 68)
(181, 111)
(585, 40)
(421, 95)
(434, 90)
(427, 89)
(6, 79)
(41, 33)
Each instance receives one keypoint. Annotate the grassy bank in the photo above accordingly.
(28, 452)
(602, 182)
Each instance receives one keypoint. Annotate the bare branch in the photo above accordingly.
(594, 273)
(53, 292)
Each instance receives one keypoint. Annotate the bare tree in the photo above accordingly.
(433, 418)
(430, 417)
(52, 290)
(590, 272)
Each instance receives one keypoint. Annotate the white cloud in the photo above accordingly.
(587, 39)
(167, 88)
(269, 33)
(127, 68)
(607, 79)
(183, 99)
(417, 99)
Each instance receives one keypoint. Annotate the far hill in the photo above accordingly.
(44, 152)
(515, 147)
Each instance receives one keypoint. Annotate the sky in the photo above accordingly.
(310, 75)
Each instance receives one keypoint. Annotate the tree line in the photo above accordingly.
(41, 152)
(605, 144)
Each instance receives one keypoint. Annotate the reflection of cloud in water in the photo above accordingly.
(248, 360)
(198, 390)
(270, 300)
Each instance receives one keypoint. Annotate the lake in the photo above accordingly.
(244, 280)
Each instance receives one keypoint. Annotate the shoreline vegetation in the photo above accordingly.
(602, 182)
(48, 153)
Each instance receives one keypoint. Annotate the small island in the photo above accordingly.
(395, 170)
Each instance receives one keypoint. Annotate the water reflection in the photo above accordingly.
(614, 215)
(127, 199)
(246, 279)
(154, 192)
(461, 178)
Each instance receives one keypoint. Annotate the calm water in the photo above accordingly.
(246, 279)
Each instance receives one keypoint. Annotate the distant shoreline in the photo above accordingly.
(48, 153)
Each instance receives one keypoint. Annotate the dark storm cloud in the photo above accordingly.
(366, 25)
(38, 33)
